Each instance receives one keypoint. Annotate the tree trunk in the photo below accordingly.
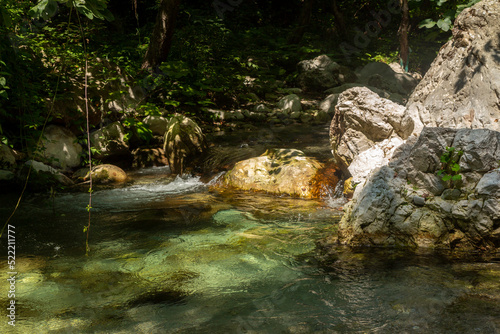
(304, 19)
(339, 21)
(404, 48)
(161, 40)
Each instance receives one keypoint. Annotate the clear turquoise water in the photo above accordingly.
(170, 256)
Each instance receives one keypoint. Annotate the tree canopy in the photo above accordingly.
(186, 56)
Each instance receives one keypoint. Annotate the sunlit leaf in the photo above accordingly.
(444, 24)
(427, 23)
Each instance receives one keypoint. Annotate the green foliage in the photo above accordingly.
(137, 128)
(450, 168)
(447, 12)
(46, 9)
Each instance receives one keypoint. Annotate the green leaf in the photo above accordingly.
(427, 23)
(455, 167)
(444, 24)
(45, 9)
(447, 177)
(457, 177)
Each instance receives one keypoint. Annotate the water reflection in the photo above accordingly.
(173, 257)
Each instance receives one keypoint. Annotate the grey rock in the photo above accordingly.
(382, 76)
(386, 210)
(489, 185)
(462, 87)
(60, 148)
(157, 124)
(451, 194)
(322, 73)
(40, 167)
(261, 108)
(363, 119)
(290, 103)
(110, 141)
(418, 201)
(336, 91)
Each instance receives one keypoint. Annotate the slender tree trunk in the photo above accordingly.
(304, 19)
(339, 20)
(404, 48)
(161, 40)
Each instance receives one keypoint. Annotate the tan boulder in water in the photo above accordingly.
(277, 171)
(107, 174)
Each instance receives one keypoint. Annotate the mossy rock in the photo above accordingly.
(184, 144)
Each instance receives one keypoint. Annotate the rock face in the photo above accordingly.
(157, 124)
(46, 175)
(364, 121)
(277, 171)
(185, 144)
(322, 73)
(406, 203)
(110, 141)
(462, 87)
(60, 148)
(290, 104)
(382, 76)
(331, 100)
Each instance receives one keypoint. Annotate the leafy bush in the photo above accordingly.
(450, 168)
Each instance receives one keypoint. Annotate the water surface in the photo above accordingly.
(170, 256)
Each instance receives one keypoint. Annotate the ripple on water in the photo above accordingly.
(199, 262)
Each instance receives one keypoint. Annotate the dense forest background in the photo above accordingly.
(187, 56)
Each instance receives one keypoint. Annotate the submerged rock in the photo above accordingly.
(462, 87)
(405, 202)
(277, 171)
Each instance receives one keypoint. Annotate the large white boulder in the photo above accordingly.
(364, 121)
(60, 148)
(406, 203)
(462, 87)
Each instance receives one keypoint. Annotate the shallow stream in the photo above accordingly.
(168, 255)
